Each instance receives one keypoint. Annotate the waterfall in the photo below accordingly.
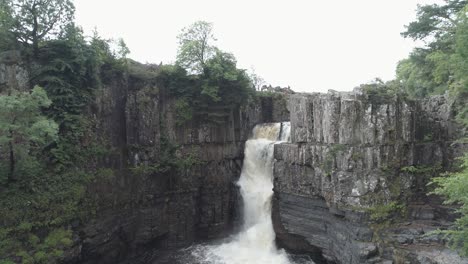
(255, 244)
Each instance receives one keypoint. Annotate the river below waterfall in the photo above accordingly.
(255, 243)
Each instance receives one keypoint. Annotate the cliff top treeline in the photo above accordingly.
(48, 156)
(49, 153)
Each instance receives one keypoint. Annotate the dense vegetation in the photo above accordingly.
(441, 66)
(205, 79)
(48, 152)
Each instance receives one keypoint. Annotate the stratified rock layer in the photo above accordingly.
(353, 156)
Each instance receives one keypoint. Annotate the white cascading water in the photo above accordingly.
(255, 244)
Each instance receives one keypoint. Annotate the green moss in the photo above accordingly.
(105, 174)
(184, 111)
(328, 162)
(421, 169)
(385, 212)
(356, 156)
(172, 158)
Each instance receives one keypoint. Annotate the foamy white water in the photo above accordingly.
(255, 244)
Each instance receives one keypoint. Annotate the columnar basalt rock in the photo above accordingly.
(168, 209)
(352, 155)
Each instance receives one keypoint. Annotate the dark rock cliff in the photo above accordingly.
(137, 211)
(134, 118)
(355, 162)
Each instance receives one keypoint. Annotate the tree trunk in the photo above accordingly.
(11, 175)
(35, 47)
(35, 37)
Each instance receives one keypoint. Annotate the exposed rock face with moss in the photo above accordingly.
(170, 184)
(349, 188)
(159, 183)
(356, 169)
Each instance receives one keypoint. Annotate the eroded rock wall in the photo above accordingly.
(353, 157)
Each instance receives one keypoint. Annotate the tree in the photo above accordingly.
(438, 66)
(460, 58)
(425, 72)
(24, 131)
(6, 25)
(435, 20)
(224, 82)
(256, 80)
(122, 49)
(195, 46)
(454, 187)
(36, 20)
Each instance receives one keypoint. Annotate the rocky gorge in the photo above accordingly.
(350, 187)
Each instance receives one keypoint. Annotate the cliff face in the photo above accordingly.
(140, 210)
(138, 204)
(355, 161)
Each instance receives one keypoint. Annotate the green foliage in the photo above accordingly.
(441, 65)
(425, 73)
(141, 71)
(434, 21)
(382, 213)
(175, 79)
(52, 190)
(215, 87)
(454, 187)
(187, 161)
(170, 160)
(105, 174)
(48, 250)
(183, 110)
(195, 46)
(68, 69)
(379, 92)
(38, 20)
(7, 39)
(222, 81)
(122, 49)
(24, 133)
(328, 162)
(421, 169)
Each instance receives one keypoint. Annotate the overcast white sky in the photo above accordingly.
(309, 45)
